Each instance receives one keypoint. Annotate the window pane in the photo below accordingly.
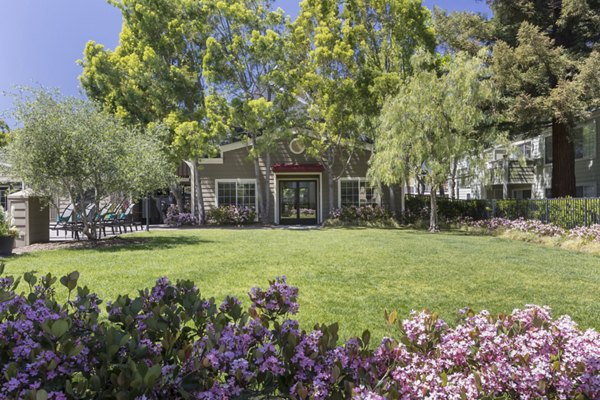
(349, 193)
(226, 193)
(246, 195)
(548, 149)
(368, 196)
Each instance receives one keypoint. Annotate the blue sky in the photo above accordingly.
(41, 40)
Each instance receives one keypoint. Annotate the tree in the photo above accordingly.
(546, 60)
(389, 33)
(245, 63)
(4, 130)
(433, 120)
(546, 63)
(325, 54)
(155, 76)
(67, 147)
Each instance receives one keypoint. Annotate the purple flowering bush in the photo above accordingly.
(231, 215)
(175, 218)
(362, 214)
(171, 342)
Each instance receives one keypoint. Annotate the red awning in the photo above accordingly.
(297, 168)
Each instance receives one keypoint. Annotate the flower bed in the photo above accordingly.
(520, 224)
(175, 218)
(364, 215)
(170, 342)
(231, 215)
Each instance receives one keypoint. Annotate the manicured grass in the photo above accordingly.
(345, 275)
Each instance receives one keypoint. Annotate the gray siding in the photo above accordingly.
(237, 165)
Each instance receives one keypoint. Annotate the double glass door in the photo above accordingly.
(298, 202)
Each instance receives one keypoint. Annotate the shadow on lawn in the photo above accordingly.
(119, 244)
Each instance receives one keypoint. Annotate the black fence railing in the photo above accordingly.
(566, 212)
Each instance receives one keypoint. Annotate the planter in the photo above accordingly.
(6, 245)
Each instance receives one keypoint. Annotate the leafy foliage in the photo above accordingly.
(66, 147)
(177, 218)
(170, 342)
(437, 118)
(6, 226)
(232, 215)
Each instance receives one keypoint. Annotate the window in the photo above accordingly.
(357, 192)
(548, 149)
(584, 137)
(241, 193)
(525, 150)
(585, 191)
(521, 194)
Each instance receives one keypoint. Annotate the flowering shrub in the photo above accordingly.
(7, 229)
(586, 233)
(170, 342)
(354, 214)
(176, 219)
(523, 225)
(231, 215)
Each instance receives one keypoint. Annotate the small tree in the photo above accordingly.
(434, 120)
(67, 147)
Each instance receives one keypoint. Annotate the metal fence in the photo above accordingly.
(566, 212)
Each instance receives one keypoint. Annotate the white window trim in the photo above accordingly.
(350, 179)
(236, 181)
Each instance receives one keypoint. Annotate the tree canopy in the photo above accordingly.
(67, 147)
(435, 119)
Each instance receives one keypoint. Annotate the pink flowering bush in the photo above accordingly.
(354, 214)
(171, 342)
(231, 215)
(586, 233)
(493, 225)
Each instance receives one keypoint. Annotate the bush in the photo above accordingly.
(417, 208)
(354, 214)
(170, 342)
(176, 219)
(7, 229)
(231, 215)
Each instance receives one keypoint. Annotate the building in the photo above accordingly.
(523, 170)
(298, 184)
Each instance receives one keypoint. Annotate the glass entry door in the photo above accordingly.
(298, 202)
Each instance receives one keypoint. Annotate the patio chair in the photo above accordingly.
(63, 220)
(125, 219)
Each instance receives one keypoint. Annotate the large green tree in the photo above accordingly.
(547, 61)
(547, 64)
(155, 75)
(67, 147)
(326, 57)
(433, 120)
(389, 32)
(246, 63)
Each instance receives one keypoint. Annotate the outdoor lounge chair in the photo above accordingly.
(125, 219)
(63, 220)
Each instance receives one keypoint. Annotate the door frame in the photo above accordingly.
(297, 176)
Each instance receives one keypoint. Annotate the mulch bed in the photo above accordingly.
(82, 244)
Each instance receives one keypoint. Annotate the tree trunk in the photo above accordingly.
(392, 201)
(433, 211)
(267, 212)
(330, 183)
(193, 188)
(199, 196)
(563, 161)
(176, 191)
(453, 180)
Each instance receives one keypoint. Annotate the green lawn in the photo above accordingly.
(346, 275)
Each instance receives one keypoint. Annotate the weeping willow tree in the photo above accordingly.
(439, 116)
